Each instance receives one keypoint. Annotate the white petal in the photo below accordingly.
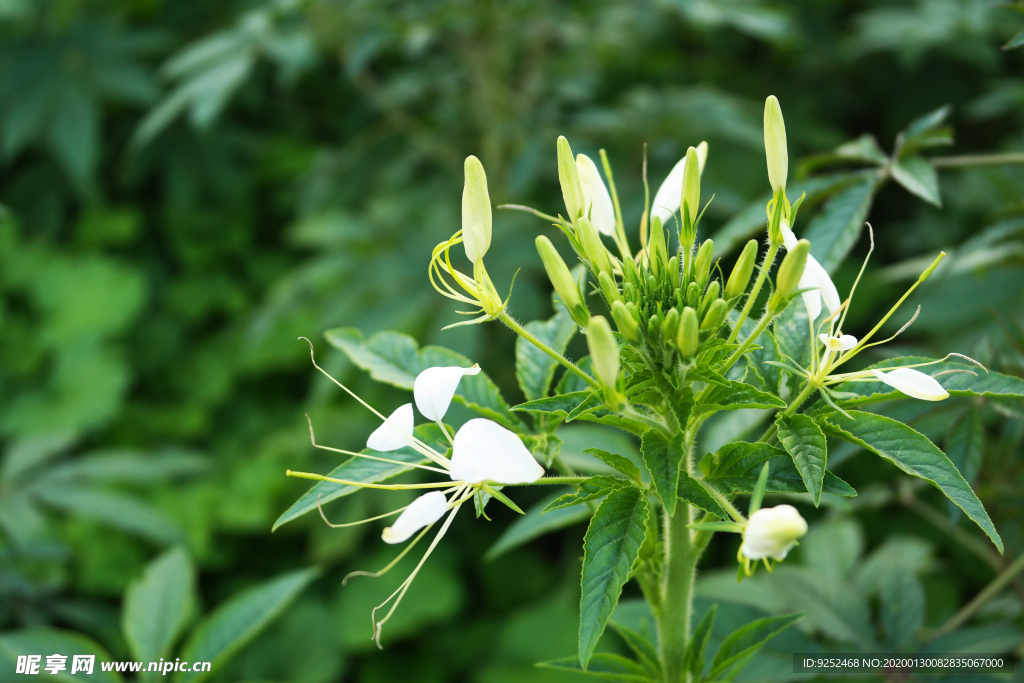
(486, 451)
(595, 196)
(843, 343)
(788, 238)
(670, 194)
(395, 433)
(827, 289)
(435, 387)
(771, 532)
(913, 383)
(812, 300)
(422, 512)
(702, 155)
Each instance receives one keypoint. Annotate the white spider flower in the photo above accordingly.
(815, 279)
(669, 196)
(772, 532)
(485, 456)
(913, 383)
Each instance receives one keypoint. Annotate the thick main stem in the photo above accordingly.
(677, 604)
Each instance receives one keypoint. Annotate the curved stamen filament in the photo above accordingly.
(312, 438)
(362, 521)
(364, 485)
(390, 565)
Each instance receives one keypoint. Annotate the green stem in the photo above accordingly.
(528, 209)
(569, 365)
(978, 160)
(790, 409)
(769, 259)
(677, 604)
(988, 592)
(550, 481)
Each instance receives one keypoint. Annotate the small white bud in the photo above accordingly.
(772, 532)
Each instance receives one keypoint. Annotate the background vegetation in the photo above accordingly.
(188, 187)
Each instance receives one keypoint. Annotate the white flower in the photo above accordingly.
(814, 278)
(597, 201)
(422, 512)
(395, 432)
(843, 342)
(434, 389)
(668, 198)
(772, 532)
(913, 383)
(486, 451)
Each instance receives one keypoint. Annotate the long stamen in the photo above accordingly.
(348, 524)
(871, 248)
(390, 565)
(312, 438)
(364, 485)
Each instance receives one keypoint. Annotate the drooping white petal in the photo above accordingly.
(422, 512)
(486, 451)
(826, 288)
(913, 383)
(772, 532)
(435, 387)
(814, 276)
(395, 433)
(812, 300)
(598, 203)
(788, 238)
(843, 343)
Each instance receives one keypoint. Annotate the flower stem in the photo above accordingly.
(769, 259)
(977, 160)
(790, 409)
(988, 592)
(677, 603)
(569, 365)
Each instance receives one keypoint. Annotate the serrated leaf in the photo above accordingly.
(535, 523)
(698, 645)
(158, 605)
(45, 641)
(664, 460)
(695, 494)
(644, 649)
(588, 489)
(835, 229)
(913, 453)
(364, 471)
(736, 466)
(586, 405)
(534, 368)
(918, 176)
(616, 461)
(737, 396)
(240, 619)
(611, 548)
(604, 665)
(965, 447)
(394, 359)
(743, 643)
(804, 440)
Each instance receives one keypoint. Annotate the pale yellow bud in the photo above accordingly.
(775, 144)
(476, 211)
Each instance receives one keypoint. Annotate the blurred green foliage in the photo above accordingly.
(188, 187)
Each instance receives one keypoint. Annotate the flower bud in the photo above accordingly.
(596, 200)
(476, 211)
(691, 188)
(625, 322)
(604, 351)
(693, 295)
(670, 325)
(569, 179)
(688, 335)
(562, 280)
(790, 271)
(772, 532)
(654, 330)
(715, 316)
(657, 249)
(702, 264)
(710, 296)
(741, 272)
(775, 144)
(608, 288)
(593, 247)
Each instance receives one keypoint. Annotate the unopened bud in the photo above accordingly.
(476, 211)
(625, 322)
(741, 272)
(702, 264)
(608, 288)
(562, 280)
(715, 316)
(775, 144)
(688, 335)
(691, 190)
(569, 179)
(654, 331)
(772, 533)
(693, 294)
(790, 271)
(710, 296)
(656, 247)
(604, 351)
(670, 326)
(593, 247)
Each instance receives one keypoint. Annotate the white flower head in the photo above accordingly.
(597, 201)
(772, 532)
(913, 383)
(435, 388)
(485, 451)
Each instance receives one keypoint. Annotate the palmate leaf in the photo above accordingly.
(611, 548)
(913, 453)
(365, 471)
(804, 440)
(586, 405)
(743, 643)
(737, 396)
(918, 176)
(736, 467)
(395, 359)
(663, 459)
(534, 368)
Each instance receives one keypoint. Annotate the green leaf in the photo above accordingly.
(1015, 42)
(804, 440)
(742, 644)
(48, 641)
(118, 510)
(157, 606)
(604, 665)
(644, 649)
(737, 396)
(586, 405)
(698, 645)
(835, 229)
(903, 606)
(535, 523)
(695, 494)
(534, 368)
(559, 405)
(965, 447)
(913, 453)
(616, 461)
(611, 548)
(365, 471)
(864, 150)
(588, 489)
(757, 495)
(736, 466)
(918, 176)
(394, 359)
(664, 461)
(236, 622)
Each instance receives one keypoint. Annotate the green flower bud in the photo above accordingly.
(715, 316)
(625, 322)
(693, 295)
(608, 288)
(593, 247)
(476, 211)
(710, 296)
(569, 179)
(673, 267)
(691, 190)
(656, 248)
(562, 280)
(741, 272)
(654, 330)
(604, 351)
(670, 326)
(702, 264)
(688, 335)
(629, 291)
(790, 271)
(775, 144)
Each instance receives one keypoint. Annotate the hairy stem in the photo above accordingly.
(677, 603)
(569, 365)
(769, 259)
